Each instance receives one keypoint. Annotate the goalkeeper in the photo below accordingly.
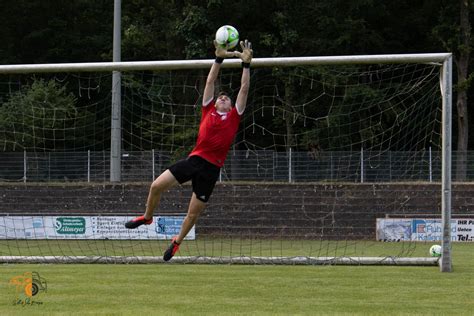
(219, 124)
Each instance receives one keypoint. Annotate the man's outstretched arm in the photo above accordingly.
(246, 57)
(221, 54)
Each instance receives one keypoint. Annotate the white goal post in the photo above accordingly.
(444, 60)
(441, 58)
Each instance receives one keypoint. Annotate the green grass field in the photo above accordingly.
(171, 289)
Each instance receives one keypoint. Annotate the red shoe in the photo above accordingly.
(138, 221)
(169, 253)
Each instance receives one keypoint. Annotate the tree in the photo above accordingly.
(455, 34)
(38, 116)
(55, 31)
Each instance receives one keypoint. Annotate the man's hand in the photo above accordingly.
(222, 52)
(247, 52)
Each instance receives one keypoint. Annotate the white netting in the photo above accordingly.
(311, 124)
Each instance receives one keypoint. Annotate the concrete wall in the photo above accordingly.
(239, 209)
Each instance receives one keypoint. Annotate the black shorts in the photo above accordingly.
(203, 173)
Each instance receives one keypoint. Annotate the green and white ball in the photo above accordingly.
(435, 251)
(227, 37)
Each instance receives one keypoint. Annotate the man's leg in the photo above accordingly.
(196, 207)
(165, 181)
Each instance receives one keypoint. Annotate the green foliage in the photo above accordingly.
(38, 116)
(149, 30)
(75, 31)
(447, 31)
(43, 31)
(164, 121)
(52, 31)
(193, 24)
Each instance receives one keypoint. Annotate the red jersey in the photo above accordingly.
(216, 134)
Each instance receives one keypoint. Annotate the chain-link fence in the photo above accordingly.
(290, 166)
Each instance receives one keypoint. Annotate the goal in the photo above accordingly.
(338, 160)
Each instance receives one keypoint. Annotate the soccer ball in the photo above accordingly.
(227, 36)
(435, 251)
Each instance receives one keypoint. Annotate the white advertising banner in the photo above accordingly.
(423, 229)
(88, 227)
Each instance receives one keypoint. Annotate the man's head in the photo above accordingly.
(223, 102)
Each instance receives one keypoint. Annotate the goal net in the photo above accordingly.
(338, 160)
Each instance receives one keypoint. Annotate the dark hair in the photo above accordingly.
(227, 94)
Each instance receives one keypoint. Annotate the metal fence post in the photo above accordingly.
(389, 165)
(153, 164)
(273, 166)
(332, 165)
(431, 164)
(289, 166)
(89, 166)
(24, 166)
(49, 166)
